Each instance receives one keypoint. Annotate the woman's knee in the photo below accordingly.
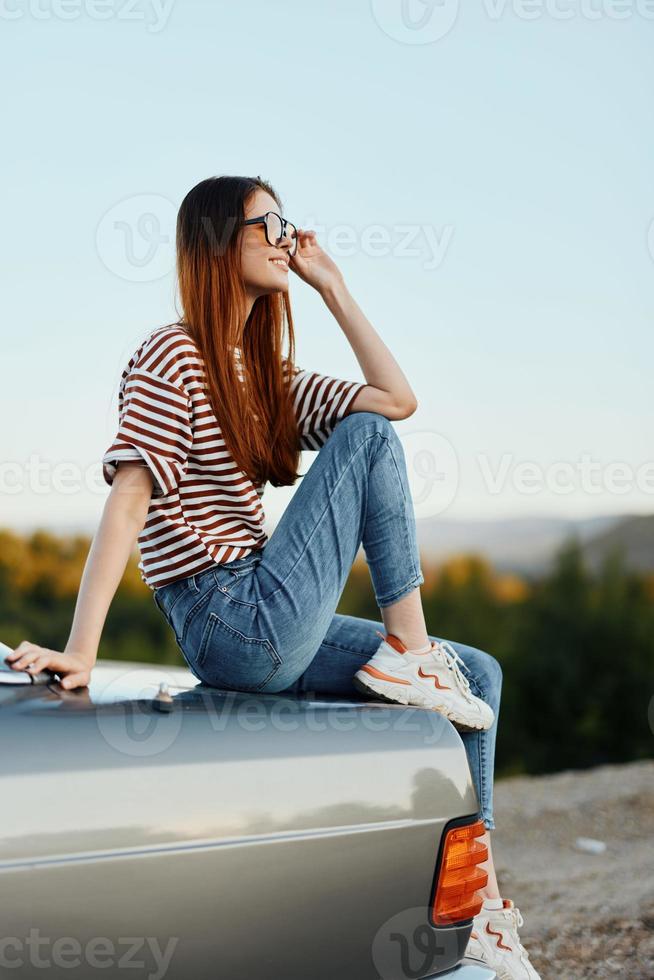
(367, 424)
(368, 420)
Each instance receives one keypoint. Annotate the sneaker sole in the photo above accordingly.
(396, 693)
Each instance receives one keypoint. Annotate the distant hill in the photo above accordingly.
(632, 536)
(528, 545)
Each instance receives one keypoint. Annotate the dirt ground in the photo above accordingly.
(585, 915)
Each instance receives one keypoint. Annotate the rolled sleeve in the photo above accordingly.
(154, 427)
(320, 401)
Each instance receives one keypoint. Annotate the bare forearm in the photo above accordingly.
(105, 565)
(378, 365)
(123, 517)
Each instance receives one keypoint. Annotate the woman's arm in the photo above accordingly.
(387, 390)
(122, 520)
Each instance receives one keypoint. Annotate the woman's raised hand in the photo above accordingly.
(313, 264)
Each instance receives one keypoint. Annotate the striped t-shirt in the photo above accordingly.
(203, 510)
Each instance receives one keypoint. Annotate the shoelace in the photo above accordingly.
(516, 917)
(517, 921)
(452, 660)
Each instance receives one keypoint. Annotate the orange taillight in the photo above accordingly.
(460, 876)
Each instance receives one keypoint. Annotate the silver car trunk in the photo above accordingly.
(228, 835)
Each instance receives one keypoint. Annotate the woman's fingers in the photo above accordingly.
(33, 658)
(24, 654)
(41, 663)
(17, 652)
(79, 679)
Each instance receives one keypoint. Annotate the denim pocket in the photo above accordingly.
(230, 659)
(188, 614)
(224, 577)
(235, 584)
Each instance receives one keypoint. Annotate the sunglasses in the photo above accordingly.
(277, 228)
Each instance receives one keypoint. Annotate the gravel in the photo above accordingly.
(586, 914)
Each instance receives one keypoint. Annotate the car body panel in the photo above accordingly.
(267, 836)
(468, 970)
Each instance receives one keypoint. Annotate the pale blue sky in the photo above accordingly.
(523, 147)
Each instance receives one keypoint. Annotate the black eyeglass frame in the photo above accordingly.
(262, 220)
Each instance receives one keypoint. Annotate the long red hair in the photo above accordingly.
(256, 415)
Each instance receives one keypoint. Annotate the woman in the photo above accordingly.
(255, 614)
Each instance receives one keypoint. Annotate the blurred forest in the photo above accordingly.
(576, 648)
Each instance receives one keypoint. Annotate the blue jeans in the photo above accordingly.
(267, 622)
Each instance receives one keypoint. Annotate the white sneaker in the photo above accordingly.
(494, 941)
(430, 680)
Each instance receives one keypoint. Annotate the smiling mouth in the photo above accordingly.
(280, 262)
